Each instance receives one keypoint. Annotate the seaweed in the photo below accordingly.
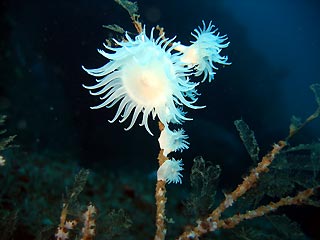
(5, 142)
(8, 223)
(204, 180)
(273, 227)
(131, 7)
(115, 28)
(114, 224)
(248, 139)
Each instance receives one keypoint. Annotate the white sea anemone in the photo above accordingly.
(205, 51)
(145, 77)
(172, 141)
(169, 171)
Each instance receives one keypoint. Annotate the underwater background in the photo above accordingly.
(274, 50)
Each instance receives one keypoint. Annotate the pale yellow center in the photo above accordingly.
(147, 84)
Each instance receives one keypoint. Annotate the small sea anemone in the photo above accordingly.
(145, 77)
(169, 171)
(205, 51)
(172, 141)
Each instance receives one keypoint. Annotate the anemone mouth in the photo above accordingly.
(191, 56)
(147, 84)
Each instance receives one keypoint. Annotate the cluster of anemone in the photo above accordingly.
(150, 76)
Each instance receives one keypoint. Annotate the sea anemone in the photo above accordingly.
(145, 77)
(205, 51)
(172, 141)
(169, 171)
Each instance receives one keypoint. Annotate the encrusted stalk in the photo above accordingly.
(161, 200)
(210, 223)
(300, 198)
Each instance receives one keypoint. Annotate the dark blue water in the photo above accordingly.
(274, 50)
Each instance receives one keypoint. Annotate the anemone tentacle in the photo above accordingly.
(204, 51)
(145, 77)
